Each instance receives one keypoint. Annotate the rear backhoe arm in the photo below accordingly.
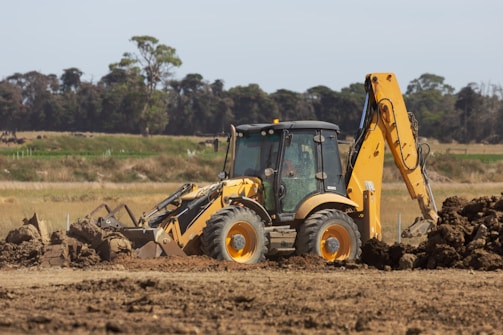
(385, 119)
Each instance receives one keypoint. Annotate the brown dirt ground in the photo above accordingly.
(450, 284)
(299, 295)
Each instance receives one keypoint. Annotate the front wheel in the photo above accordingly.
(330, 234)
(236, 234)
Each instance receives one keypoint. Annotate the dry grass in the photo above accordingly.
(396, 201)
(471, 149)
(54, 201)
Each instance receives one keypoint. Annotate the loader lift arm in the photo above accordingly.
(385, 119)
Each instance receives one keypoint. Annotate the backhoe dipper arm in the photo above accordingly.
(385, 118)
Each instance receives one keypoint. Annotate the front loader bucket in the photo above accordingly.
(152, 242)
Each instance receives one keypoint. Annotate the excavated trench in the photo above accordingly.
(469, 236)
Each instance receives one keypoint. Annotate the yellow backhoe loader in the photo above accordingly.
(283, 190)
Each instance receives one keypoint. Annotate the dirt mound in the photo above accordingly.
(469, 235)
(84, 245)
(23, 246)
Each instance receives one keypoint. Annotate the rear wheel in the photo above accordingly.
(330, 234)
(236, 234)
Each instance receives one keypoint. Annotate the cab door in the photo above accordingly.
(297, 171)
(331, 168)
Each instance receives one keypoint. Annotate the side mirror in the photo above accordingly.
(222, 175)
(269, 172)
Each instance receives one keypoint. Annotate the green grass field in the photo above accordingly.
(119, 158)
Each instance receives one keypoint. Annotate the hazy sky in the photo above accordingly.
(276, 44)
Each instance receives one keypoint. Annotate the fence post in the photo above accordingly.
(399, 228)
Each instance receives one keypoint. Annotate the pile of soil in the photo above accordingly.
(84, 245)
(469, 235)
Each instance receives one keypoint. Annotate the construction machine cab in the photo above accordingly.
(294, 160)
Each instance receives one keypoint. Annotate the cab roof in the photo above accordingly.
(307, 124)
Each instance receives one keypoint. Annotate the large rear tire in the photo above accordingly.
(330, 234)
(236, 234)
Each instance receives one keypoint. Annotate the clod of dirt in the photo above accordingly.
(22, 234)
(382, 256)
(66, 251)
(32, 229)
(23, 246)
(108, 244)
(27, 253)
(407, 261)
(376, 253)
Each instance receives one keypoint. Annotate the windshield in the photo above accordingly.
(255, 153)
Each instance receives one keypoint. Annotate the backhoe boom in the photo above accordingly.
(385, 119)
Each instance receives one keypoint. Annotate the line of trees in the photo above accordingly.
(139, 94)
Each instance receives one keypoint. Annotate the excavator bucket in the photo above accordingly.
(419, 228)
(152, 242)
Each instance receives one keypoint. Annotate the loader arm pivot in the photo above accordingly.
(385, 119)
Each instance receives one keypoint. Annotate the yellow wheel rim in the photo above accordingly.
(241, 242)
(335, 243)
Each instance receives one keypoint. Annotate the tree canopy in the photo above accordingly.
(140, 93)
